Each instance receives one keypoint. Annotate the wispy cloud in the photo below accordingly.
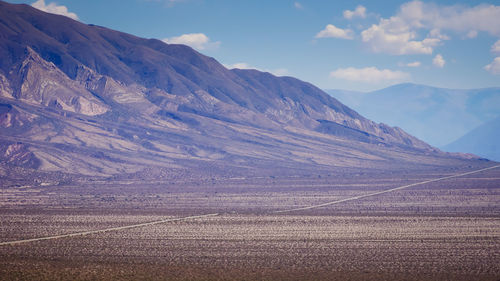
(331, 31)
(360, 11)
(369, 74)
(298, 6)
(413, 64)
(239, 65)
(197, 41)
(244, 65)
(494, 66)
(496, 47)
(53, 8)
(438, 61)
(471, 34)
(457, 18)
(280, 71)
(410, 64)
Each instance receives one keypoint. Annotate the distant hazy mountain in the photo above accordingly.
(348, 97)
(85, 99)
(435, 115)
(483, 141)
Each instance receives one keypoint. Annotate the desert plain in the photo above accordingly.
(253, 228)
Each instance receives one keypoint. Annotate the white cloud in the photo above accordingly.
(280, 72)
(436, 33)
(459, 18)
(369, 74)
(298, 6)
(394, 36)
(360, 11)
(244, 65)
(197, 41)
(239, 65)
(496, 47)
(494, 66)
(471, 34)
(53, 8)
(413, 64)
(438, 61)
(399, 34)
(335, 32)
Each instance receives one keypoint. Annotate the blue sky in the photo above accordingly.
(363, 46)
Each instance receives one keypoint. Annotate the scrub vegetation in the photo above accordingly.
(447, 230)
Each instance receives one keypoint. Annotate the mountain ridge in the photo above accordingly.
(482, 141)
(86, 99)
(435, 115)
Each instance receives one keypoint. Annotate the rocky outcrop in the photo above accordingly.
(36, 81)
(18, 154)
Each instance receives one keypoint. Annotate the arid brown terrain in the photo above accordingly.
(445, 230)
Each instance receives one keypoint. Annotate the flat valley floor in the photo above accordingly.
(442, 230)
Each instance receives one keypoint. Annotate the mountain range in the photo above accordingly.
(438, 116)
(83, 99)
(482, 141)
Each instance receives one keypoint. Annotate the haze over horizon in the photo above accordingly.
(360, 46)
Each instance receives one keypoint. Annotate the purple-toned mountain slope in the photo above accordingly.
(85, 99)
